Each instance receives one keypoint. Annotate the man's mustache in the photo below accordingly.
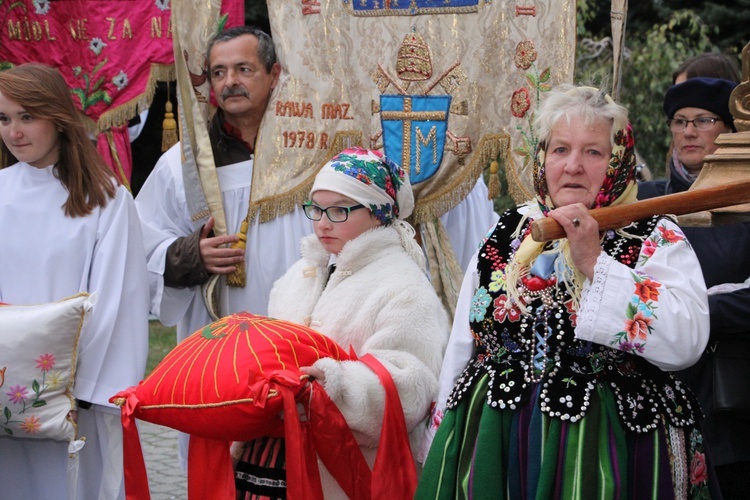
(234, 91)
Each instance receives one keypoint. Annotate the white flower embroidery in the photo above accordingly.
(162, 4)
(42, 6)
(97, 45)
(120, 80)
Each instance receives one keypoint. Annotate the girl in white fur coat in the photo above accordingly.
(378, 301)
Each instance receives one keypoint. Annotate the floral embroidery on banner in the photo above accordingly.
(41, 7)
(526, 98)
(520, 102)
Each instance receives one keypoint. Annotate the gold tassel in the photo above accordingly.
(238, 278)
(493, 189)
(169, 126)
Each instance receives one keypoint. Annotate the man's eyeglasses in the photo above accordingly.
(335, 214)
(702, 123)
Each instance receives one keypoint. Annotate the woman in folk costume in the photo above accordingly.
(556, 380)
(67, 228)
(377, 299)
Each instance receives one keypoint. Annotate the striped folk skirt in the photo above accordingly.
(260, 473)
(483, 452)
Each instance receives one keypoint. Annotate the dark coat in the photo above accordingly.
(724, 255)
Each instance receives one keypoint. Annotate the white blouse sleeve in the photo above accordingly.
(657, 310)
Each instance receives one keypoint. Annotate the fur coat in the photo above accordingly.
(378, 301)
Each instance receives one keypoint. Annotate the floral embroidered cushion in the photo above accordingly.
(38, 353)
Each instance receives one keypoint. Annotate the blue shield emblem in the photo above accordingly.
(414, 130)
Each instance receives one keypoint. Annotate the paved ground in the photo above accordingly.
(165, 478)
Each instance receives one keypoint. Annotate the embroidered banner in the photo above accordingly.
(443, 87)
(194, 24)
(111, 53)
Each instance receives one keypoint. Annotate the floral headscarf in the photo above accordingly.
(620, 179)
(371, 179)
(619, 187)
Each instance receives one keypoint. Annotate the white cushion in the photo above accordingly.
(38, 352)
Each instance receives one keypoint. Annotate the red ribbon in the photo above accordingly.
(394, 474)
(336, 446)
(210, 472)
(326, 435)
(136, 478)
(303, 476)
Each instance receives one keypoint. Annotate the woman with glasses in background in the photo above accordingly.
(362, 282)
(697, 113)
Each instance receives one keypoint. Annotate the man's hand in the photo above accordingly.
(217, 257)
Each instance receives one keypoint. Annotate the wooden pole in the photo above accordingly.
(618, 16)
(688, 202)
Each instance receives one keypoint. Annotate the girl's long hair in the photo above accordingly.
(43, 93)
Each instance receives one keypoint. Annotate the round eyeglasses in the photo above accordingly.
(702, 123)
(334, 214)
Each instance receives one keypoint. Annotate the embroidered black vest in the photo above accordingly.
(516, 351)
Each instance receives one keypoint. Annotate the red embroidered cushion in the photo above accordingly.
(222, 381)
(232, 381)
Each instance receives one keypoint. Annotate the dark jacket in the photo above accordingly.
(724, 255)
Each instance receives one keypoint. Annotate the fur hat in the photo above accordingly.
(711, 94)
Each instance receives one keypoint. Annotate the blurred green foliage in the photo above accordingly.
(161, 340)
(650, 58)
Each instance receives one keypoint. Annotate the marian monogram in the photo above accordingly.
(415, 124)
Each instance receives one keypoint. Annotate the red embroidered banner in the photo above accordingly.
(111, 52)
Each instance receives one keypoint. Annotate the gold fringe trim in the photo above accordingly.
(238, 278)
(490, 147)
(445, 272)
(268, 209)
(436, 204)
(516, 189)
(470, 9)
(124, 112)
